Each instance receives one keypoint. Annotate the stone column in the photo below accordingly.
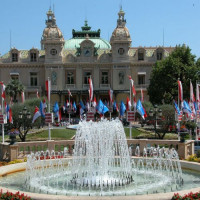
(51, 145)
(13, 152)
(182, 150)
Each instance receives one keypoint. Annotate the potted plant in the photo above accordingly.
(12, 135)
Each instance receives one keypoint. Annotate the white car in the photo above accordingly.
(196, 146)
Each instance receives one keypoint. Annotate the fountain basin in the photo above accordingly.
(6, 170)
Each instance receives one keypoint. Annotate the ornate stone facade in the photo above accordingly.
(69, 63)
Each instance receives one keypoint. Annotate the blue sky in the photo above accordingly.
(146, 20)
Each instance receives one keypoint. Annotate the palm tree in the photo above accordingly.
(13, 88)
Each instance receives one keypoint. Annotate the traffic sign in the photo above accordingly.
(130, 116)
(48, 117)
(90, 116)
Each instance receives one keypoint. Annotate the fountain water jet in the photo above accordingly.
(101, 165)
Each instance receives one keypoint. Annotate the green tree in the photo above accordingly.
(24, 125)
(13, 88)
(181, 64)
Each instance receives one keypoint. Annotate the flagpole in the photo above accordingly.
(49, 98)
(69, 105)
(177, 114)
(2, 103)
(130, 127)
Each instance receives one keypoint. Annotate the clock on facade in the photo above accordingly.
(87, 52)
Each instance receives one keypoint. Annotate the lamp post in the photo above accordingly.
(24, 115)
(155, 112)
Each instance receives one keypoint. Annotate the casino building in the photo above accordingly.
(70, 62)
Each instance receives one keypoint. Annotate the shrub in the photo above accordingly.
(189, 196)
(13, 196)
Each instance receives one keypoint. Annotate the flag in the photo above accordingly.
(10, 116)
(122, 108)
(186, 108)
(94, 103)
(23, 96)
(48, 88)
(87, 105)
(82, 105)
(44, 104)
(3, 92)
(142, 96)
(101, 108)
(192, 98)
(59, 116)
(36, 114)
(115, 106)
(69, 93)
(134, 103)
(180, 90)
(177, 108)
(128, 104)
(42, 109)
(197, 97)
(56, 108)
(140, 109)
(74, 106)
(111, 96)
(91, 89)
(67, 104)
(132, 85)
(37, 94)
(7, 107)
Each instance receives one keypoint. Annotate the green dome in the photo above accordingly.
(75, 43)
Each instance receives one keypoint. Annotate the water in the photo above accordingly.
(102, 165)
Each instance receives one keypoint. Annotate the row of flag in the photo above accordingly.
(192, 107)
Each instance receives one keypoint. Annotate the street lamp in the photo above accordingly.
(155, 112)
(24, 115)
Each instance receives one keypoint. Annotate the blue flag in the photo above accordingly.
(186, 107)
(114, 106)
(122, 108)
(177, 108)
(74, 106)
(140, 109)
(41, 109)
(101, 108)
(82, 105)
(56, 108)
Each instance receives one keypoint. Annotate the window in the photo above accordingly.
(141, 79)
(34, 79)
(14, 57)
(159, 55)
(33, 57)
(14, 76)
(140, 55)
(120, 51)
(53, 52)
(86, 77)
(104, 78)
(70, 77)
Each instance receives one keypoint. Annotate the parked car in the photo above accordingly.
(196, 146)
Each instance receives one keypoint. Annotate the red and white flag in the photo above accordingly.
(3, 90)
(132, 85)
(128, 104)
(134, 103)
(37, 94)
(36, 114)
(67, 104)
(192, 98)
(94, 103)
(180, 90)
(142, 96)
(180, 116)
(90, 90)
(69, 93)
(23, 97)
(59, 116)
(48, 88)
(111, 96)
(10, 116)
(197, 96)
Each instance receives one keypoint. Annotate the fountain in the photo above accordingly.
(102, 165)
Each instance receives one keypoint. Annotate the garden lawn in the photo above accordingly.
(135, 132)
(56, 134)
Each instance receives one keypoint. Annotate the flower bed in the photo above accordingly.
(189, 196)
(13, 196)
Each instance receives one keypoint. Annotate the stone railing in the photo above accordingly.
(21, 149)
